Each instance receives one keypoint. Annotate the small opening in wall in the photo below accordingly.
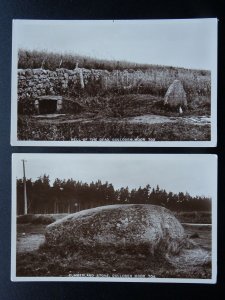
(47, 106)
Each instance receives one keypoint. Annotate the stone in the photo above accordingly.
(38, 71)
(21, 72)
(70, 72)
(43, 77)
(176, 95)
(31, 83)
(40, 86)
(116, 226)
(29, 72)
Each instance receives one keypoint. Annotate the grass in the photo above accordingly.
(130, 77)
(50, 60)
(48, 261)
(97, 130)
(43, 219)
(41, 263)
(35, 219)
(111, 103)
(105, 118)
(194, 262)
(201, 217)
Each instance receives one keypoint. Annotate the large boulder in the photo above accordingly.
(133, 226)
(176, 95)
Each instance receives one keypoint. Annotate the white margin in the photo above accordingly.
(213, 280)
(15, 142)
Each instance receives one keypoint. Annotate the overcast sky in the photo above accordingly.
(195, 174)
(184, 43)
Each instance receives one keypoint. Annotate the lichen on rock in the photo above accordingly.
(176, 95)
(132, 226)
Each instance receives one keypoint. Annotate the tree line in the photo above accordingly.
(68, 196)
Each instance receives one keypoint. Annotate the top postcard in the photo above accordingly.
(139, 83)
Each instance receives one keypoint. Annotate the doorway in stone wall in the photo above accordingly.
(47, 106)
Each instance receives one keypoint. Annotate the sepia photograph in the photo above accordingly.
(114, 83)
(114, 217)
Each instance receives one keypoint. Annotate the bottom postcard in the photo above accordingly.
(114, 217)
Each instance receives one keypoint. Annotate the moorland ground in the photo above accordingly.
(35, 258)
(125, 104)
(145, 122)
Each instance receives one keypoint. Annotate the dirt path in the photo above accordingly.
(143, 119)
(151, 119)
(29, 237)
(191, 258)
(156, 119)
(29, 242)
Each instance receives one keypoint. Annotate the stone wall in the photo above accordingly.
(37, 82)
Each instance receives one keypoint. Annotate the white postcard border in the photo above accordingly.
(14, 113)
(213, 280)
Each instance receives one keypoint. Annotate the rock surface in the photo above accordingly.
(175, 94)
(131, 226)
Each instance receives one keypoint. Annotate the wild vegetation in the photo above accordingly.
(121, 78)
(32, 59)
(37, 258)
(201, 217)
(110, 92)
(35, 219)
(49, 203)
(111, 131)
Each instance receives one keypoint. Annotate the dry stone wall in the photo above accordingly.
(37, 82)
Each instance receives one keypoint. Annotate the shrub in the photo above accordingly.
(194, 235)
(26, 106)
(35, 219)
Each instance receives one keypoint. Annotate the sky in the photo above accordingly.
(181, 43)
(195, 174)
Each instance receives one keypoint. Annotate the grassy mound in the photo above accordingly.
(119, 228)
(35, 219)
(203, 217)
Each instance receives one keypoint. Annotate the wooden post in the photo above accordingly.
(81, 79)
(24, 188)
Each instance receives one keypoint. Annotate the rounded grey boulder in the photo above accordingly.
(116, 226)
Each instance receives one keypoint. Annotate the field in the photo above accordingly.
(132, 117)
(34, 258)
